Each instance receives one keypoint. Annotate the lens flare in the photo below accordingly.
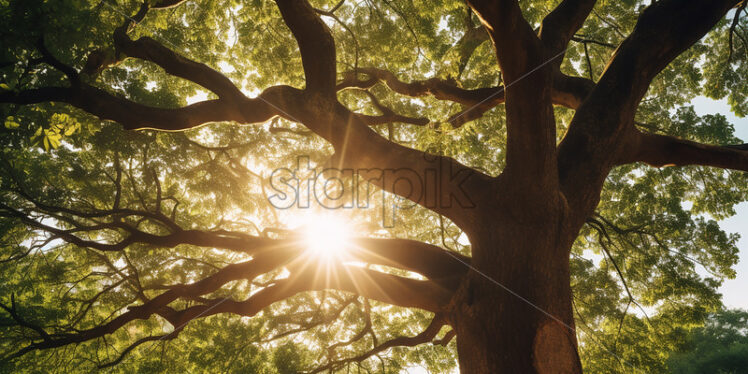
(326, 236)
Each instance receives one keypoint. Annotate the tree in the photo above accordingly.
(533, 131)
(721, 346)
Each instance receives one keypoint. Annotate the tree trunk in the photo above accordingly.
(520, 320)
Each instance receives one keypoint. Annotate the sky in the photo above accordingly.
(734, 291)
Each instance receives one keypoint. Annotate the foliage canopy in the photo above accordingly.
(76, 189)
(721, 346)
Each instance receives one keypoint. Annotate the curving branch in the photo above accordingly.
(135, 116)
(439, 88)
(137, 343)
(387, 288)
(443, 267)
(425, 336)
(306, 276)
(388, 115)
(585, 40)
(477, 101)
(146, 48)
(232, 104)
(446, 339)
(100, 59)
(158, 305)
(567, 91)
(732, 32)
(427, 259)
(220, 239)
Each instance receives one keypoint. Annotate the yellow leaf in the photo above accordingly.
(54, 142)
(11, 124)
(71, 129)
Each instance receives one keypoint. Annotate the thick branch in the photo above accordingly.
(100, 59)
(436, 182)
(426, 259)
(360, 148)
(307, 273)
(233, 105)
(570, 91)
(663, 150)
(528, 75)
(356, 145)
(371, 284)
(135, 116)
(437, 264)
(604, 124)
(517, 47)
(316, 45)
(148, 49)
(559, 26)
(173, 63)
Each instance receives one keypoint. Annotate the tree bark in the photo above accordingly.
(513, 312)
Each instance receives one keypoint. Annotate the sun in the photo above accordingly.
(326, 236)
